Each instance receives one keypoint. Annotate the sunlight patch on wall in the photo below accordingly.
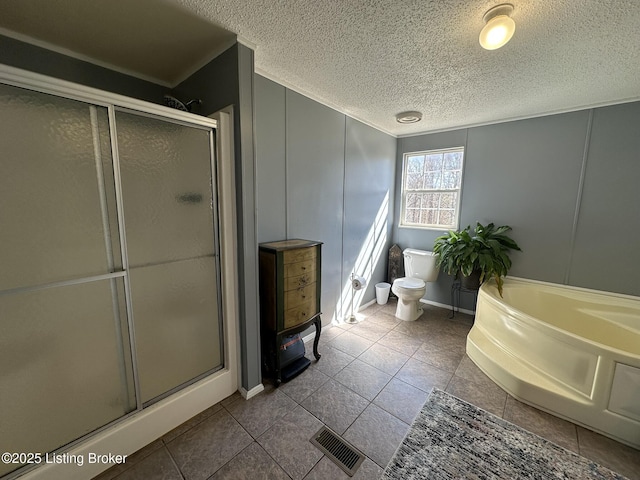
(364, 265)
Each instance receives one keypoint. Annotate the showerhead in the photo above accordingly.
(197, 101)
(173, 102)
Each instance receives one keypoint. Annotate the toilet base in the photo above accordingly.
(408, 311)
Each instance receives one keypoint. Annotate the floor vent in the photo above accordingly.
(346, 456)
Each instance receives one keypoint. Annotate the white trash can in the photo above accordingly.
(382, 292)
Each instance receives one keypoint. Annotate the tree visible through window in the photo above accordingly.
(431, 187)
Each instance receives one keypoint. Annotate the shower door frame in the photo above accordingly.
(121, 208)
(148, 422)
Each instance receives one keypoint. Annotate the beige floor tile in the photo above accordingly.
(287, 442)
(444, 339)
(331, 361)
(552, 428)
(362, 378)
(326, 469)
(390, 307)
(325, 338)
(469, 371)
(192, 422)
(423, 376)
(253, 463)
(370, 309)
(441, 357)
(157, 466)
(401, 400)
(131, 460)
(370, 330)
(401, 342)
(605, 451)
(260, 412)
(384, 358)
(384, 319)
(377, 433)
(208, 446)
(304, 384)
(336, 406)
(458, 327)
(492, 399)
(350, 343)
(419, 329)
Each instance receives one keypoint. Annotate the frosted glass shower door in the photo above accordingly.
(65, 366)
(169, 215)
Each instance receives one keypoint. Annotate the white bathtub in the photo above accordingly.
(569, 351)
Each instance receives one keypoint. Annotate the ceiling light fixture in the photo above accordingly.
(499, 27)
(409, 117)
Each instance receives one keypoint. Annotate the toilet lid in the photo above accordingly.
(407, 282)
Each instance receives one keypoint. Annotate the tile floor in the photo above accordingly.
(368, 386)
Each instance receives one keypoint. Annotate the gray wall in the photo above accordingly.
(606, 252)
(565, 183)
(368, 204)
(228, 80)
(322, 176)
(314, 145)
(46, 62)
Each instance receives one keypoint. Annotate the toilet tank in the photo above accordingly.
(420, 264)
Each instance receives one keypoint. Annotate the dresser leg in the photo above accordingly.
(318, 324)
(278, 372)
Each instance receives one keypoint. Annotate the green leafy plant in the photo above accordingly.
(484, 248)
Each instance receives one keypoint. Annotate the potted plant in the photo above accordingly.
(481, 251)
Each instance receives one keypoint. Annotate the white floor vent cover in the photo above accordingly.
(343, 454)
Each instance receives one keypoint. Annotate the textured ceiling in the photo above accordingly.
(374, 58)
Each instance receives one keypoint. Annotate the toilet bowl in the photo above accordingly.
(409, 292)
(420, 268)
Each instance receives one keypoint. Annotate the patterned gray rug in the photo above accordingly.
(452, 439)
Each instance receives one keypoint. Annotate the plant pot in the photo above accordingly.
(471, 282)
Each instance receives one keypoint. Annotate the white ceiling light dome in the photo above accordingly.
(499, 27)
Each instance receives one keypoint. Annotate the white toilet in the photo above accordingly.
(419, 267)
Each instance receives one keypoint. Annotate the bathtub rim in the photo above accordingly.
(593, 291)
(554, 330)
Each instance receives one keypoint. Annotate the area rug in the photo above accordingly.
(452, 439)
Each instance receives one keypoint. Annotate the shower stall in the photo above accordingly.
(111, 297)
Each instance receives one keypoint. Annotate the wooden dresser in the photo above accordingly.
(289, 295)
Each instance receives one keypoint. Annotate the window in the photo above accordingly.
(431, 188)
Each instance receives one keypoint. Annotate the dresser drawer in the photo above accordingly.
(298, 255)
(299, 281)
(300, 314)
(298, 268)
(294, 298)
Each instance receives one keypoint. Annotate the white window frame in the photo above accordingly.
(404, 191)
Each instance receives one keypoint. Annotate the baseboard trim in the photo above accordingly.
(251, 393)
(429, 302)
(366, 305)
(449, 307)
